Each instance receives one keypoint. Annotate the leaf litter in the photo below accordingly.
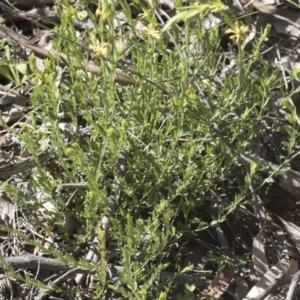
(259, 230)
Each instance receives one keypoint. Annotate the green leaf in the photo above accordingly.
(22, 68)
(183, 16)
(5, 72)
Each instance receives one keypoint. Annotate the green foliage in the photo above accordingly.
(178, 141)
(10, 68)
(189, 289)
(220, 261)
(192, 11)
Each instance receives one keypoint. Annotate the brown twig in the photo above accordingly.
(13, 168)
(28, 261)
(71, 186)
(7, 33)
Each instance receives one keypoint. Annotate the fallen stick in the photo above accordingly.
(32, 262)
(28, 163)
(7, 33)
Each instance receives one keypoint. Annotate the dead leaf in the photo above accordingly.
(293, 231)
(167, 4)
(7, 209)
(12, 115)
(219, 285)
(241, 287)
(290, 272)
(291, 184)
(259, 258)
(269, 282)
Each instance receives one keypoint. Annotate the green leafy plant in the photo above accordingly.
(15, 71)
(180, 141)
(189, 292)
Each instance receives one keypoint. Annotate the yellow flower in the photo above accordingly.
(237, 32)
(100, 49)
(37, 80)
(144, 15)
(150, 32)
(102, 13)
(82, 15)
